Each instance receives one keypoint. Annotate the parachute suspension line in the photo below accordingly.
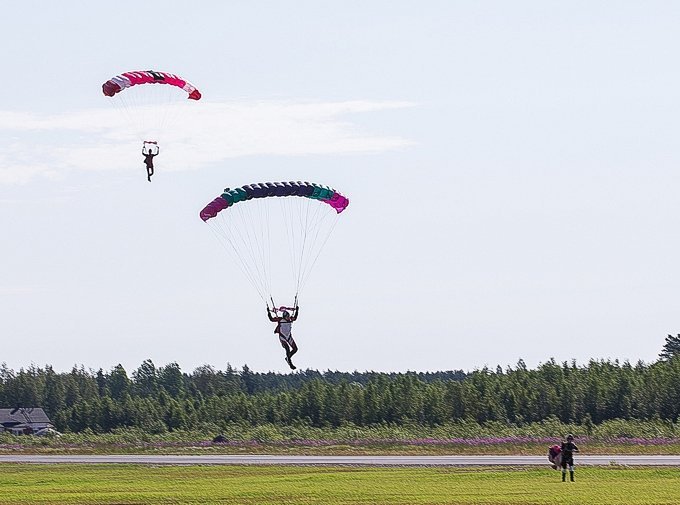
(119, 104)
(257, 245)
(268, 243)
(287, 205)
(252, 227)
(170, 102)
(303, 240)
(150, 109)
(171, 108)
(259, 232)
(291, 210)
(236, 228)
(318, 252)
(250, 243)
(322, 212)
(309, 218)
(264, 247)
(315, 229)
(240, 259)
(223, 238)
(297, 244)
(303, 228)
(133, 109)
(225, 227)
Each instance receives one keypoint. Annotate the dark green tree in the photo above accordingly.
(146, 379)
(55, 395)
(170, 378)
(119, 383)
(671, 347)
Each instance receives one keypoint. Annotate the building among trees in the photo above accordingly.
(24, 421)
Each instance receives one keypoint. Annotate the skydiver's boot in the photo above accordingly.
(290, 363)
(571, 475)
(564, 475)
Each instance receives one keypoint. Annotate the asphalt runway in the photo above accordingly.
(215, 459)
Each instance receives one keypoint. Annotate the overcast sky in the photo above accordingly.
(513, 170)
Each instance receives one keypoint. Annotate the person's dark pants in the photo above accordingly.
(567, 462)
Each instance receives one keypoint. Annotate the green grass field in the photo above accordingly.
(133, 484)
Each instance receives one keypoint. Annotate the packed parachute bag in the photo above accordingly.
(555, 456)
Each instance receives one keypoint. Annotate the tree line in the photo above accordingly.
(166, 398)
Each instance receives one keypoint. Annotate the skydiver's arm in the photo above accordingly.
(272, 319)
(297, 310)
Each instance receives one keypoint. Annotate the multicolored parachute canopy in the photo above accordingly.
(128, 79)
(270, 189)
(274, 237)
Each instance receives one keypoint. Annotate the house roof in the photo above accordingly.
(33, 415)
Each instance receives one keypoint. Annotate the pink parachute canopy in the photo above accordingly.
(120, 82)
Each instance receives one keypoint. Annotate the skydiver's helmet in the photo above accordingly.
(285, 314)
(570, 437)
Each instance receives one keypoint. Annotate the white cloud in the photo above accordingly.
(199, 134)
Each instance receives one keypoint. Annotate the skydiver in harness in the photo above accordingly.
(284, 324)
(148, 152)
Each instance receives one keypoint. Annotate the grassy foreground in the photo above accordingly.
(134, 484)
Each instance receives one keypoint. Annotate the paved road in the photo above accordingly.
(214, 459)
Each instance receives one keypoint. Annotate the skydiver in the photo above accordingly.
(148, 159)
(284, 325)
(568, 450)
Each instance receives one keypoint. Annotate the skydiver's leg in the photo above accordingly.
(293, 350)
(293, 347)
(284, 344)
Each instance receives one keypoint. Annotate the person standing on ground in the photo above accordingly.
(568, 450)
